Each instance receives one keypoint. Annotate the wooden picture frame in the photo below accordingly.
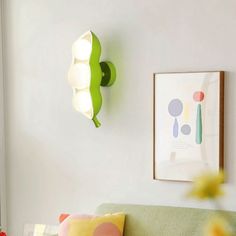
(188, 124)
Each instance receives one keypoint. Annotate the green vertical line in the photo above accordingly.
(199, 125)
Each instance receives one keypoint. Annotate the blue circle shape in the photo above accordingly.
(186, 129)
(175, 107)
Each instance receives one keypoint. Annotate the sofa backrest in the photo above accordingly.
(161, 220)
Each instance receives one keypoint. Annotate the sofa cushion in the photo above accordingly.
(107, 225)
(161, 220)
(93, 225)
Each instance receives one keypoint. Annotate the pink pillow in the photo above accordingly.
(64, 226)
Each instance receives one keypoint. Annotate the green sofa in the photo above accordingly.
(161, 220)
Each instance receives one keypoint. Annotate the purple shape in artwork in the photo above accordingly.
(176, 128)
(175, 107)
(186, 129)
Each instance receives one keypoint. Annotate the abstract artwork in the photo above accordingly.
(188, 124)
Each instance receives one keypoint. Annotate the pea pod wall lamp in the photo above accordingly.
(86, 75)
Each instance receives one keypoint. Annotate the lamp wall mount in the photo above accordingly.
(108, 73)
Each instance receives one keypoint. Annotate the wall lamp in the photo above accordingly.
(86, 75)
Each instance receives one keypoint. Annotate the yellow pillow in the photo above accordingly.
(107, 225)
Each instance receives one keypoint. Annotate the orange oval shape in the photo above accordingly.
(198, 96)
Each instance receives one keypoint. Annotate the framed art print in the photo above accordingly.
(188, 124)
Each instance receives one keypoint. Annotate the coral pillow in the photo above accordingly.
(62, 217)
(86, 225)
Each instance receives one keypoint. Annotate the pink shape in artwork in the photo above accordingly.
(198, 96)
(107, 229)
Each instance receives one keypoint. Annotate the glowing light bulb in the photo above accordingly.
(79, 76)
(82, 102)
(82, 49)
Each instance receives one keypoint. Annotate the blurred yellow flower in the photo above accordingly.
(218, 227)
(207, 186)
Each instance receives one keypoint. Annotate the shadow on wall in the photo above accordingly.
(112, 46)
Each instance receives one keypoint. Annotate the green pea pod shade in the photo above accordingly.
(86, 75)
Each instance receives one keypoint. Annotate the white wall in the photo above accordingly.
(56, 160)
